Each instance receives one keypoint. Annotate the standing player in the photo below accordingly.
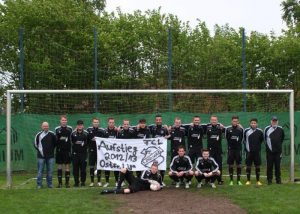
(158, 130)
(94, 131)
(177, 137)
(253, 138)
(63, 150)
(44, 143)
(234, 135)
(206, 168)
(142, 132)
(111, 132)
(150, 180)
(181, 168)
(214, 132)
(79, 153)
(274, 136)
(195, 134)
(125, 132)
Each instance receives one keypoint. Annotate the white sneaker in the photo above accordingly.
(163, 184)
(177, 185)
(213, 185)
(106, 185)
(123, 184)
(187, 185)
(190, 182)
(199, 185)
(91, 184)
(116, 184)
(99, 184)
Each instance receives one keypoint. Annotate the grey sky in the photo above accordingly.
(263, 16)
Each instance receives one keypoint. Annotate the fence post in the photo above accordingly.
(95, 69)
(21, 66)
(170, 68)
(244, 69)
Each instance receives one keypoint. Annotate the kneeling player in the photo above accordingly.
(180, 168)
(206, 168)
(150, 180)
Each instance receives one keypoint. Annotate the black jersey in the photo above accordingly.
(181, 164)
(158, 131)
(195, 135)
(63, 138)
(177, 137)
(142, 133)
(234, 136)
(148, 175)
(126, 134)
(110, 133)
(206, 165)
(214, 138)
(253, 139)
(79, 142)
(274, 137)
(91, 133)
(45, 143)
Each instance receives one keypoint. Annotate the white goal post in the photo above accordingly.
(9, 94)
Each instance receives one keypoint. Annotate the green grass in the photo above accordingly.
(26, 199)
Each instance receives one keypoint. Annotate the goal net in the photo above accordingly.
(27, 109)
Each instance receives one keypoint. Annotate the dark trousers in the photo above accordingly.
(273, 158)
(186, 176)
(218, 158)
(194, 154)
(79, 167)
(207, 179)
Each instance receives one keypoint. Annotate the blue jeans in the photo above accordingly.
(49, 162)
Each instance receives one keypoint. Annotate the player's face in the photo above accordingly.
(214, 120)
(196, 121)
(253, 124)
(79, 127)
(234, 122)
(205, 155)
(126, 124)
(96, 123)
(63, 121)
(158, 120)
(154, 169)
(177, 123)
(274, 122)
(111, 124)
(142, 125)
(45, 126)
(181, 152)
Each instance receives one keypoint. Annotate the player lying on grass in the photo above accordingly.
(206, 168)
(150, 180)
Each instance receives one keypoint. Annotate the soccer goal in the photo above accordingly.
(26, 109)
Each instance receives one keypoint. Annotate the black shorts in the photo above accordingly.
(234, 155)
(63, 157)
(253, 157)
(92, 158)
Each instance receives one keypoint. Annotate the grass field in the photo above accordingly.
(24, 198)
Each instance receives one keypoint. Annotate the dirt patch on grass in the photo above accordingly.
(174, 201)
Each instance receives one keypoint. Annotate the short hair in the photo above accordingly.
(79, 122)
(253, 119)
(180, 147)
(63, 116)
(110, 118)
(213, 116)
(205, 150)
(177, 118)
(234, 117)
(155, 163)
(142, 120)
(196, 116)
(158, 115)
(125, 120)
(95, 118)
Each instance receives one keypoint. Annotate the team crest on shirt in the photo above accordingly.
(152, 154)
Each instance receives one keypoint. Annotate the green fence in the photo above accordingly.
(25, 126)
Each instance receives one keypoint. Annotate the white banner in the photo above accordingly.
(133, 154)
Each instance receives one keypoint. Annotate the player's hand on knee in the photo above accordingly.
(170, 173)
(191, 173)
